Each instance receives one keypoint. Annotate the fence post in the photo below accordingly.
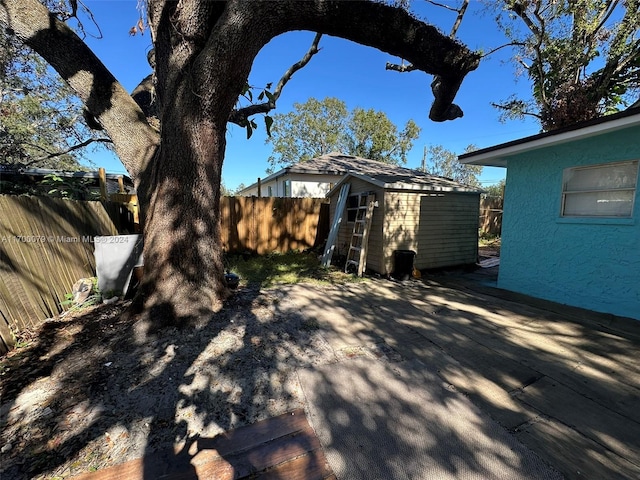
(102, 177)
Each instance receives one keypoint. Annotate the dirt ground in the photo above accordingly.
(92, 391)
(490, 250)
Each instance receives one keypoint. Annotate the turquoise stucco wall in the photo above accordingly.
(593, 264)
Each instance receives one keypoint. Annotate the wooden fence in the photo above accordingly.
(46, 244)
(491, 215)
(265, 225)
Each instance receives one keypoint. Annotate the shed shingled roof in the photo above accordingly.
(382, 174)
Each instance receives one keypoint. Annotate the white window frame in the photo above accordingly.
(568, 193)
(352, 211)
(286, 188)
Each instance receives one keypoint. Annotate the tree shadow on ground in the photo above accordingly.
(400, 420)
(564, 386)
(93, 391)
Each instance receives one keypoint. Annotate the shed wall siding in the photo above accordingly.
(448, 233)
(593, 264)
(401, 223)
(442, 228)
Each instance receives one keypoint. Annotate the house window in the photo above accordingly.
(270, 191)
(352, 207)
(286, 188)
(606, 190)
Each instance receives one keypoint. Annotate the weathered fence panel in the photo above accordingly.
(265, 225)
(46, 245)
(491, 215)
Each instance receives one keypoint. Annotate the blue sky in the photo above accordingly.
(345, 70)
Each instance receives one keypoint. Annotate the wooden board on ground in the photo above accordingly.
(279, 447)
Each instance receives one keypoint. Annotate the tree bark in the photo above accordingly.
(183, 267)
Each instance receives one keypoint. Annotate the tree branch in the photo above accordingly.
(539, 33)
(521, 11)
(313, 49)
(607, 11)
(72, 149)
(507, 108)
(134, 139)
(389, 29)
(461, 11)
(510, 44)
(402, 68)
(442, 5)
(241, 115)
(618, 63)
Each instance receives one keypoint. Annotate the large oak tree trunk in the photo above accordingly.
(183, 271)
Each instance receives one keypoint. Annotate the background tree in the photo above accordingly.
(230, 192)
(444, 163)
(582, 57)
(318, 127)
(224, 190)
(371, 134)
(204, 52)
(313, 128)
(496, 190)
(41, 123)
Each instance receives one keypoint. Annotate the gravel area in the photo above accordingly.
(91, 391)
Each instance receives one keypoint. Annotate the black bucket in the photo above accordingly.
(403, 264)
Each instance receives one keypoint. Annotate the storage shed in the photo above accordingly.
(435, 217)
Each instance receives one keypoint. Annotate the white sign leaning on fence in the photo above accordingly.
(116, 257)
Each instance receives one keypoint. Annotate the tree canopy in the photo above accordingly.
(496, 190)
(581, 56)
(317, 127)
(444, 163)
(41, 119)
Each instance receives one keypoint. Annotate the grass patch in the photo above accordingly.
(285, 268)
(488, 239)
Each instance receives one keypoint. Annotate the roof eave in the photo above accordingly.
(276, 175)
(497, 155)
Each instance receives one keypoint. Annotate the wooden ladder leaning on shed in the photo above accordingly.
(357, 255)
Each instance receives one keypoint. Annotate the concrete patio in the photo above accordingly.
(443, 378)
(562, 381)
